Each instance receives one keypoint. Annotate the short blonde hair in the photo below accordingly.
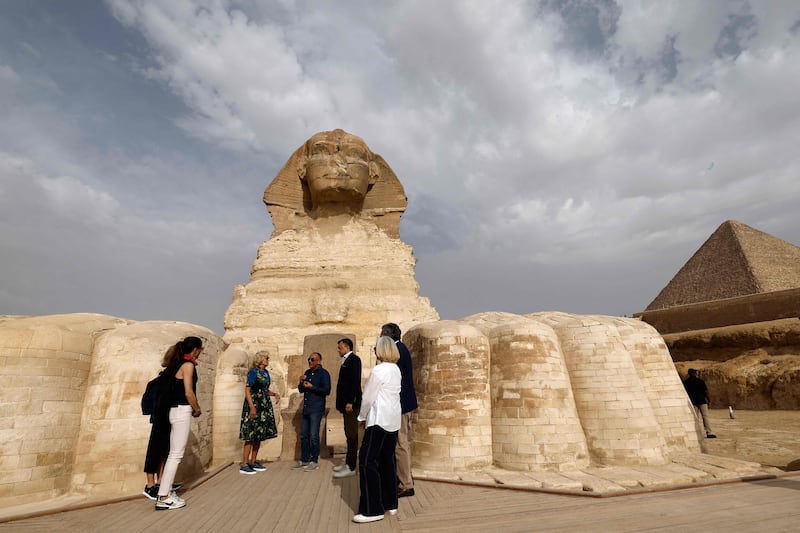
(258, 357)
(386, 350)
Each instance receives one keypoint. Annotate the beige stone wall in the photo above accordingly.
(113, 432)
(46, 362)
(229, 389)
(566, 392)
(748, 309)
(337, 274)
(616, 416)
(661, 383)
(535, 422)
(232, 368)
(72, 386)
(452, 426)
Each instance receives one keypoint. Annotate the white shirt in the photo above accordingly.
(380, 403)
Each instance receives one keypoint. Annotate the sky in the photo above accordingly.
(557, 155)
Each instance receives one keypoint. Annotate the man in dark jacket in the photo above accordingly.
(698, 394)
(315, 384)
(348, 402)
(408, 403)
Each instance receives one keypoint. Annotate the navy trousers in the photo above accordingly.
(377, 472)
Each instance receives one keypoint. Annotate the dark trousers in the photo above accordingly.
(157, 446)
(309, 437)
(376, 472)
(351, 436)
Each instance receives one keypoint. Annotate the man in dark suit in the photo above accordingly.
(408, 403)
(348, 402)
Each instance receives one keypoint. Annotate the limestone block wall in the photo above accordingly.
(302, 284)
(535, 422)
(46, 363)
(761, 307)
(452, 426)
(661, 383)
(618, 421)
(113, 433)
(71, 421)
(231, 375)
(566, 391)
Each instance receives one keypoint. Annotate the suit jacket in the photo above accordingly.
(348, 388)
(408, 397)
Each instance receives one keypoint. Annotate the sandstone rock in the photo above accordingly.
(72, 386)
(747, 366)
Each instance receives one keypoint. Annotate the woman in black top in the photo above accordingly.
(179, 388)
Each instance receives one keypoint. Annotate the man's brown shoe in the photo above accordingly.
(405, 492)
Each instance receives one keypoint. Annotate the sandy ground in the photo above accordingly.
(771, 438)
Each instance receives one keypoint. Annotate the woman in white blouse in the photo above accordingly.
(380, 412)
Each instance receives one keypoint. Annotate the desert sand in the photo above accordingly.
(771, 438)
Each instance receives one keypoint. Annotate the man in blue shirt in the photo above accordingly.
(315, 384)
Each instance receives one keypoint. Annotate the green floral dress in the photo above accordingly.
(262, 427)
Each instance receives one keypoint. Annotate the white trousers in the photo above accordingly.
(181, 419)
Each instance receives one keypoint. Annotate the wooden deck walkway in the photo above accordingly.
(285, 500)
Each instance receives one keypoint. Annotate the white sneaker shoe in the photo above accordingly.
(170, 502)
(345, 472)
(361, 519)
(392, 512)
(338, 468)
(310, 466)
(299, 464)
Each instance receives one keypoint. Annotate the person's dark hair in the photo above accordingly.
(175, 353)
(391, 330)
(692, 372)
(317, 354)
(347, 342)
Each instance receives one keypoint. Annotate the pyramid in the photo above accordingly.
(736, 260)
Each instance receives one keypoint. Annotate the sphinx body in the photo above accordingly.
(546, 391)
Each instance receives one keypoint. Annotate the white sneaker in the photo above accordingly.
(310, 466)
(345, 472)
(338, 468)
(300, 464)
(361, 519)
(170, 502)
(174, 496)
(392, 512)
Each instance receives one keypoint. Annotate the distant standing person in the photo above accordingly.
(315, 384)
(179, 384)
(348, 402)
(380, 413)
(408, 403)
(258, 418)
(698, 394)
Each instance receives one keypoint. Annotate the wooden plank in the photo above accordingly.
(284, 500)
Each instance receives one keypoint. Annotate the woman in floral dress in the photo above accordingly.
(258, 420)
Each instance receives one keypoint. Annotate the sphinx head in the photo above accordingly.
(338, 169)
(335, 173)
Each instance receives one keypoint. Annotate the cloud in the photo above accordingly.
(544, 146)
